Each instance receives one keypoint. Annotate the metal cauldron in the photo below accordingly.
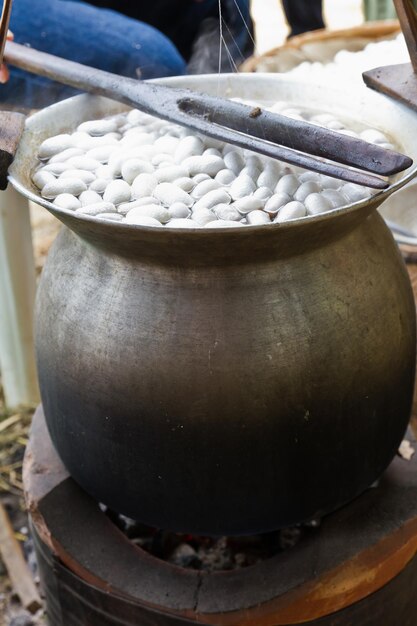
(228, 381)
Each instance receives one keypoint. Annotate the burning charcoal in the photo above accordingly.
(289, 537)
(217, 557)
(210, 553)
(185, 556)
(240, 559)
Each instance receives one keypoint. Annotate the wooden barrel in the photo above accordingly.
(320, 45)
(360, 567)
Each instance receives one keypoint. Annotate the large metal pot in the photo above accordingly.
(228, 381)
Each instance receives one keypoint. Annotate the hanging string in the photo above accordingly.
(233, 65)
(221, 39)
(236, 45)
(245, 23)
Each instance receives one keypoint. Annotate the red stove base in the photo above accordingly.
(360, 569)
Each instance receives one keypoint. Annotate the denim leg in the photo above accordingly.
(80, 32)
(303, 15)
(179, 20)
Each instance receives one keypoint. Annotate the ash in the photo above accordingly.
(211, 553)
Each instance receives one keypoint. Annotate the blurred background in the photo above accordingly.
(271, 28)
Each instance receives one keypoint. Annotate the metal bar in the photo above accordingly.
(296, 134)
(163, 102)
(397, 81)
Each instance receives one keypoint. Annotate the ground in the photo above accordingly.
(13, 437)
(14, 429)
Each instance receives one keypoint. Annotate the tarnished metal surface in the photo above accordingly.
(226, 382)
(396, 81)
(295, 134)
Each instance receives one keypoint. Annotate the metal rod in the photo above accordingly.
(167, 103)
(296, 134)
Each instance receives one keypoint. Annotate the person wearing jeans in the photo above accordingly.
(81, 32)
(134, 38)
(303, 15)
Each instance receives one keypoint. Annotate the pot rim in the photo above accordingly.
(370, 203)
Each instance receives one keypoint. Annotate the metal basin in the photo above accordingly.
(228, 381)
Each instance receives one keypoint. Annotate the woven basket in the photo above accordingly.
(320, 45)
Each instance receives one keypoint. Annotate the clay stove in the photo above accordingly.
(358, 568)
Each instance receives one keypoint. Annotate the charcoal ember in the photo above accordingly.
(163, 543)
(184, 555)
(211, 553)
(241, 560)
(216, 557)
(289, 537)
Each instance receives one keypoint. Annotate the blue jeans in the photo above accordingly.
(108, 40)
(78, 31)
